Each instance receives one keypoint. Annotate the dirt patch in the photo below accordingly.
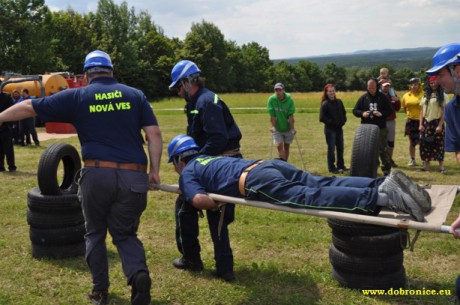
(43, 136)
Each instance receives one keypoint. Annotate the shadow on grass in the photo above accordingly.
(266, 284)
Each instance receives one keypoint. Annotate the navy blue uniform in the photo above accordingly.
(280, 183)
(108, 117)
(213, 128)
(6, 139)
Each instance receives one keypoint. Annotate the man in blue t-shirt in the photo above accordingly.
(281, 183)
(108, 117)
(446, 65)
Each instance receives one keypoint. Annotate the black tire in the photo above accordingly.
(371, 246)
(58, 252)
(57, 236)
(351, 280)
(365, 264)
(354, 228)
(52, 221)
(365, 152)
(38, 202)
(48, 169)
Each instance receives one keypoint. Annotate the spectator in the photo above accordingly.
(211, 125)
(432, 125)
(385, 75)
(27, 126)
(281, 109)
(411, 105)
(334, 116)
(373, 107)
(114, 181)
(391, 119)
(6, 142)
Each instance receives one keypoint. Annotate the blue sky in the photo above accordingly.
(297, 28)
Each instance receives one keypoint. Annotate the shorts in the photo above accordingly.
(282, 137)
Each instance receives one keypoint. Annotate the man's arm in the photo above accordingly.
(155, 148)
(455, 226)
(457, 155)
(18, 112)
(273, 122)
(204, 202)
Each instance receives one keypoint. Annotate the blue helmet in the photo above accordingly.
(183, 69)
(446, 55)
(97, 59)
(180, 144)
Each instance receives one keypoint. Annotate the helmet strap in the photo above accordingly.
(186, 89)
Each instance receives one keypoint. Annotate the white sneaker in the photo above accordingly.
(412, 162)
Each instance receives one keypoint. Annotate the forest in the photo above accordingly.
(36, 40)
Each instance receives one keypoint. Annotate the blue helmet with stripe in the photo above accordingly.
(183, 69)
(179, 145)
(98, 59)
(446, 55)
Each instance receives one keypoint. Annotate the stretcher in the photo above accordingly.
(442, 198)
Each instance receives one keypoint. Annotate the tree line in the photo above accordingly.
(35, 40)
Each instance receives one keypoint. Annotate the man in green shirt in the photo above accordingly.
(281, 108)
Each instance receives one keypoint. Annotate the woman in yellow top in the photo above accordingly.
(411, 104)
(432, 125)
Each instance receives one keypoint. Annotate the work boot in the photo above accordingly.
(98, 297)
(416, 191)
(140, 289)
(400, 199)
(227, 276)
(185, 264)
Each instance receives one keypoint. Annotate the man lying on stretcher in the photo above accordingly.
(281, 183)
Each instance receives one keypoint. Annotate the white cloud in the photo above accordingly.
(295, 28)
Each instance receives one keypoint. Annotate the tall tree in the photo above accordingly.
(23, 39)
(205, 45)
(335, 75)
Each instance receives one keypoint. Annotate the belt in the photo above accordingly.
(108, 164)
(243, 176)
(231, 152)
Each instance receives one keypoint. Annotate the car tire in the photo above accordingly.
(48, 169)
(365, 151)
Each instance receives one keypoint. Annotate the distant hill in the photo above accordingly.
(413, 58)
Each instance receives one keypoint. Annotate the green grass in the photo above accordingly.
(280, 258)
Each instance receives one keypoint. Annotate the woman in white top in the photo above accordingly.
(432, 125)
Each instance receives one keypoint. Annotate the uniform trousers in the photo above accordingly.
(187, 232)
(113, 200)
(281, 183)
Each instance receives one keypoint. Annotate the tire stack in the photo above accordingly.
(367, 256)
(57, 225)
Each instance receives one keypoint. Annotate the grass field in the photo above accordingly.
(280, 258)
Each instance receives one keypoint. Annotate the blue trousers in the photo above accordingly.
(281, 183)
(113, 200)
(334, 140)
(187, 231)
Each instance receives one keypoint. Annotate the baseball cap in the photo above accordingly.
(386, 84)
(279, 86)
